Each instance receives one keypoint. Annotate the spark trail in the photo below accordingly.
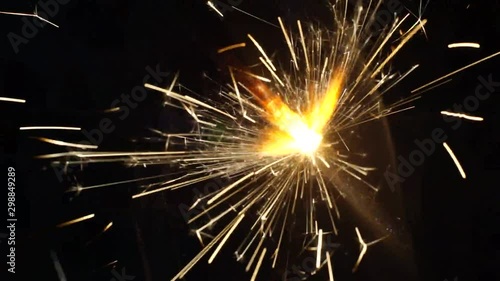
(282, 136)
(34, 14)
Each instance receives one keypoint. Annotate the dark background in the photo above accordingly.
(70, 75)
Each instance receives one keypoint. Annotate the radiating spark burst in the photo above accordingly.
(279, 135)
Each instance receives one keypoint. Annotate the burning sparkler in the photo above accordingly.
(283, 137)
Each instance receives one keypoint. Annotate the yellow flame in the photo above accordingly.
(295, 133)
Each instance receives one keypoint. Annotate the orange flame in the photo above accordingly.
(292, 132)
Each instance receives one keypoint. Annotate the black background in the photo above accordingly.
(70, 74)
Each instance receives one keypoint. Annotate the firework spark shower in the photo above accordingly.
(292, 124)
(285, 138)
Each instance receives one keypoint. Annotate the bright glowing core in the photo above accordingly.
(304, 139)
(300, 133)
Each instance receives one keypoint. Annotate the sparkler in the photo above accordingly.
(283, 137)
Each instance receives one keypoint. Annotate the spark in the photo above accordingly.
(225, 238)
(77, 220)
(34, 14)
(364, 247)
(211, 5)
(249, 265)
(68, 144)
(401, 44)
(255, 17)
(455, 72)
(303, 43)
(464, 45)
(420, 15)
(79, 189)
(261, 50)
(330, 267)
(318, 250)
(435, 86)
(462, 115)
(106, 228)
(111, 263)
(231, 47)
(50, 128)
(455, 160)
(259, 263)
(114, 109)
(12, 100)
(58, 266)
(289, 43)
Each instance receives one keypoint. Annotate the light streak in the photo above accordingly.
(455, 72)
(232, 47)
(261, 50)
(77, 220)
(455, 159)
(111, 263)
(106, 228)
(330, 267)
(289, 43)
(12, 100)
(363, 248)
(318, 250)
(464, 45)
(211, 5)
(58, 266)
(253, 16)
(114, 109)
(68, 144)
(462, 115)
(225, 238)
(35, 15)
(49, 128)
(259, 263)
